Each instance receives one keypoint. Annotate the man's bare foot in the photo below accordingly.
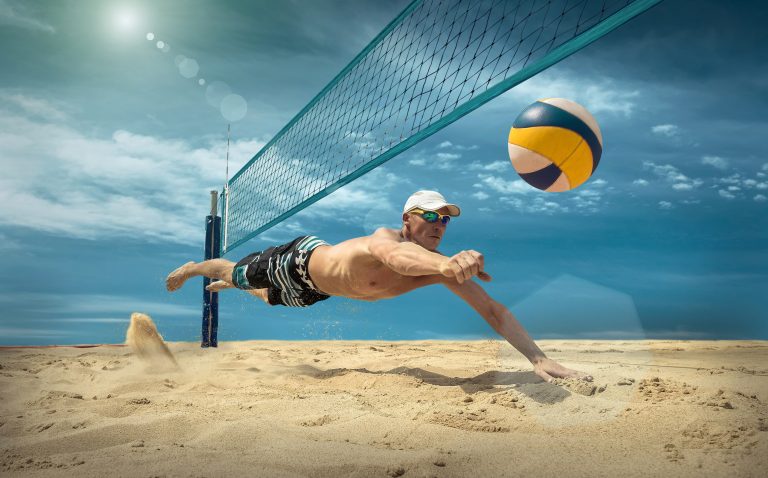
(218, 285)
(177, 278)
(548, 370)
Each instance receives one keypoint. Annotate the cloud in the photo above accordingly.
(640, 182)
(760, 198)
(496, 166)
(127, 185)
(668, 130)
(16, 15)
(480, 195)
(680, 182)
(597, 94)
(443, 160)
(715, 161)
(737, 182)
(34, 106)
(725, 194)
(502, 186)
(448, 144)
(665, 205)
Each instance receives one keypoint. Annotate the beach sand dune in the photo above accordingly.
(421, 408)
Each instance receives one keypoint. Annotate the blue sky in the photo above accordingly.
(109, 146)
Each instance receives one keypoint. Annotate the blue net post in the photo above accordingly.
(211, 299)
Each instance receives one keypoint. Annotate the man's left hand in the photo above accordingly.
(548, 370)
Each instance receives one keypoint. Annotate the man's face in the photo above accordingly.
(427, 235)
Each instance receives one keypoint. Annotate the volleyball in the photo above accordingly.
(555, 145)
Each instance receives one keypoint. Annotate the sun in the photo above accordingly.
(125, 19)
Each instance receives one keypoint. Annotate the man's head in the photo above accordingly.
(420, 225)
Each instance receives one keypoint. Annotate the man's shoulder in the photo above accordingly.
(386, 233)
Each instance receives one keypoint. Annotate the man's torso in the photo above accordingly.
(349, 269)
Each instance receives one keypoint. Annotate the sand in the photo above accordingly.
(422, 408)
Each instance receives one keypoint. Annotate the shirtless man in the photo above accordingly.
(385, 264)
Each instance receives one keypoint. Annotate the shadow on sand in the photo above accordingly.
(526, 383)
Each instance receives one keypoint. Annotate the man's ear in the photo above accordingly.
(406, 218)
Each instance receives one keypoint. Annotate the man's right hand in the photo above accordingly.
(464, 265)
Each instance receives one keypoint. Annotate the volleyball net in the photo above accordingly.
(434, 63)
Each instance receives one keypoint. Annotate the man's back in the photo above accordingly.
(351, 270)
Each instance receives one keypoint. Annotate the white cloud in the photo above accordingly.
(715, 161)
(680, 182)
(668, 130)
(38, 107)
(442, 161)
(640, 182)
(496, 166)
(542, 204)
(458, 147)
(737, 182)
(15, 14)
(725, 194)
(732, 179)
(127, 185)
(760, 198)
(502, 186)
(765, 167)
(665, 205)
(597, 94)
(480, 195)
(447, 156)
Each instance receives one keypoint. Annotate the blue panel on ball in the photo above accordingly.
(544, 114)
(543, 178)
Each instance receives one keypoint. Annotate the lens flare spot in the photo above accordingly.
(216, 92)
(234, 107)
(201, 82)
(188, 68)
(150, 36)
(160, 44)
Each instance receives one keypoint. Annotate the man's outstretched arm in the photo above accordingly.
(506, 325)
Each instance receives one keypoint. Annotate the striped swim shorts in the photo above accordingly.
(284, 271)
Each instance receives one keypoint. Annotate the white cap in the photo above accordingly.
(431, 201)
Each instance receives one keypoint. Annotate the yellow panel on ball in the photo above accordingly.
(555, 145)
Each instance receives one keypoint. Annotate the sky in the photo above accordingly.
(109, 146)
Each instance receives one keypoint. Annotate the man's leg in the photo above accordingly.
(220, 285)
(219, 269)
